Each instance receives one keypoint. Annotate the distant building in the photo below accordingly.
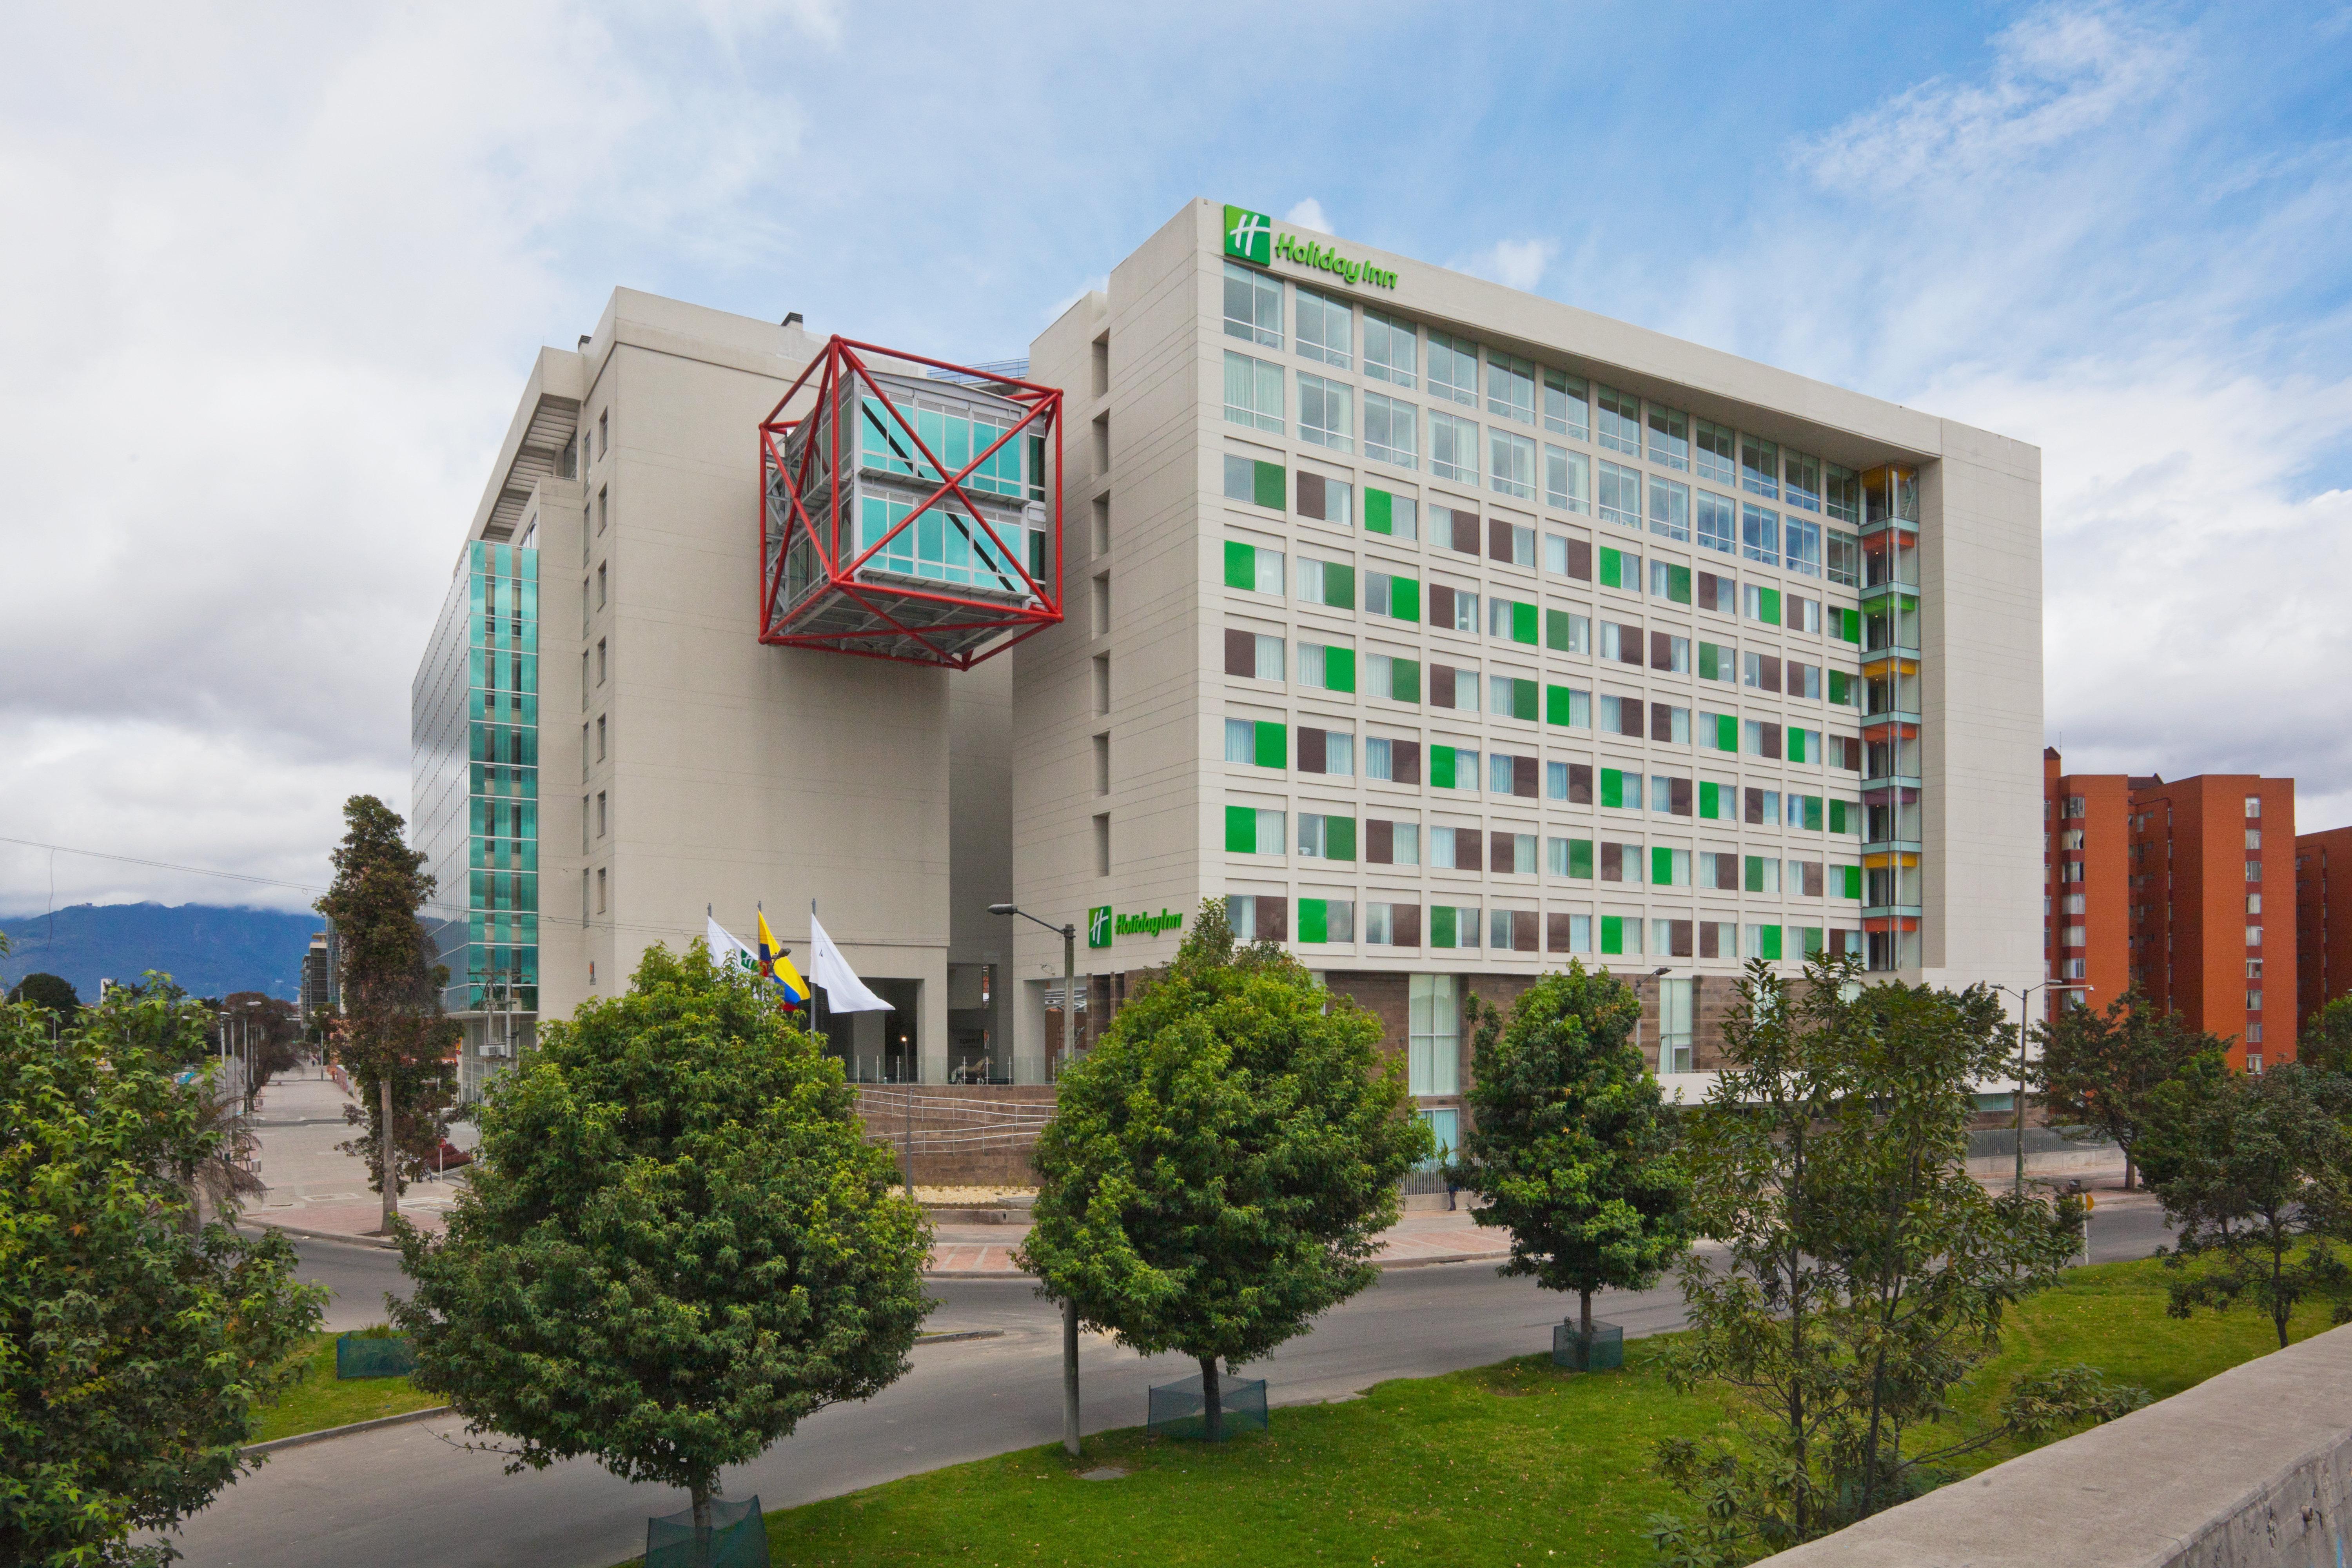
(2322, 919)
(2159, 887)
(321, 997)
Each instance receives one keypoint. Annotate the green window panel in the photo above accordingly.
(1580, 858)
(1849, 882)
(1613, 933)
(1849, 625)
(1559, 705)
(1619, 569)
(1338, 669)
(1339, 585)
(1755, 878)
(1523, 699)
(1523, 624)
(1768, 605)
(1241, 830)
(1726, 732)
(1404, 598)
(1678, 584)
(1713, 662)
(1404, 679)
(1813, 813)
(1441, 767)
(1271, 744)
(1441, 925)
(1767, 942)
(1837, 816)
(1269, 484)
(1662, 866)
(1556, 630)
(1380, 512)
(1714, 802)
(1313, 919)
(1613, 789)
(1241, 564)
(1797, 745)
(1338, 839)
(1840, 688)
(1811, 936)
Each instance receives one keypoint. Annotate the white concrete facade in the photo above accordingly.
(1124, 713)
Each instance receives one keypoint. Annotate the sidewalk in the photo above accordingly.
(985, 1251)
(316, 1189)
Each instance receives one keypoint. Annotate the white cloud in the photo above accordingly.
(1514, 263)
(1308, 214)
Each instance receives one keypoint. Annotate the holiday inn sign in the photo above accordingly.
(1250, 236)
(1101, 925)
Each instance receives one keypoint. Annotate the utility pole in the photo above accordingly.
(2024, 1002)
(1068, 931)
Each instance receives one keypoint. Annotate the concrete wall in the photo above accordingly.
(2249, 1470)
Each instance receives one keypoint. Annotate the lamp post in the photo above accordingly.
(1069, 935)
(2024, 1002)
(1658, 973)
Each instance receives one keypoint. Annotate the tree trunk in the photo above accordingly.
(1213, 1414)
(2131, 1172)
(1070, 1375)
(1584, 1323)
(390, 1168)
(702, 1495)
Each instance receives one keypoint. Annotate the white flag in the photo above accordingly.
(728, 953)
(844, 992)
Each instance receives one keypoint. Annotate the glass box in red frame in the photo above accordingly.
(911, 511)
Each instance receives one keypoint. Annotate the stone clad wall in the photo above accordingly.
(2249, 1470)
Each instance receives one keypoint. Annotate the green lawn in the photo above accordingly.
(319, 1401)
(1513, 1464)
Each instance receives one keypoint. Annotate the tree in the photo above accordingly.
(266, 1030)
(135, 1344)
(1219, 1168)
(2098, 1070)
(50, 990)
(391, 1035)
(2252, 1169)
(677, 1242)
(1569, 1145)
(2326, 1044)
(1867, 1273)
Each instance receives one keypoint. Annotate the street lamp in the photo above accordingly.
(1069, 935)
(1658, 973)
(2024, 1002)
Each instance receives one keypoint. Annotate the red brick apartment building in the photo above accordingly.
(2159, 887)
(2322, 919)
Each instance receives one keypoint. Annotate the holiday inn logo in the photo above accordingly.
(1102, 925)
(1250, 236)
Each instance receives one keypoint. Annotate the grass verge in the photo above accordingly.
(1515, 1463)
(319, 1401)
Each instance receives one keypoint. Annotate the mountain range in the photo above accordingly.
(209, 950)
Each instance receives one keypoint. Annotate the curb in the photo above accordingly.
(954, 1334)
(309, 1233)
(323, 1433)
(1397, 1263)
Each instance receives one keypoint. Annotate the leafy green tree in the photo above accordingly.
(1866, 1274)
(1569, 1145)
(391, 1035)
(677, 1242)
(2098, 1070)
(2326, 1043)
(50, 990)
(135, 1344)
(265, 1030)
(2252, 1169)
(1219, 1168)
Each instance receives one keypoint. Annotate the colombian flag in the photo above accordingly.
(776, 964)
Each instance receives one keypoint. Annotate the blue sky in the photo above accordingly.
(278, 276)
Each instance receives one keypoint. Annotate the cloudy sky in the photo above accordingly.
(275, 274)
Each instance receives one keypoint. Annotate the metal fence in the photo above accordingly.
(935, 1123)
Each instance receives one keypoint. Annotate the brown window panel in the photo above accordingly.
(1523, 930)
(1241, 653)
(1752, 806)
(1769, 676)
(1277, 927)
(1311, 495)
(1580, 560)
(1661, 721)
(1441, 607)
(1557, 935)
(1498, 541)
(1580, 783)
(1771, 740)
(1314, 752)
(1380, 841)
(1523, 776)
(1440, 686)
(1678, 793)
(1405, 925)
(1465, 533)
(1501, 856)
(1662, 650)
(1629, 644)
(1678, 939)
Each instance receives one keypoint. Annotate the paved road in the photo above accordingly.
(406, 1495)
